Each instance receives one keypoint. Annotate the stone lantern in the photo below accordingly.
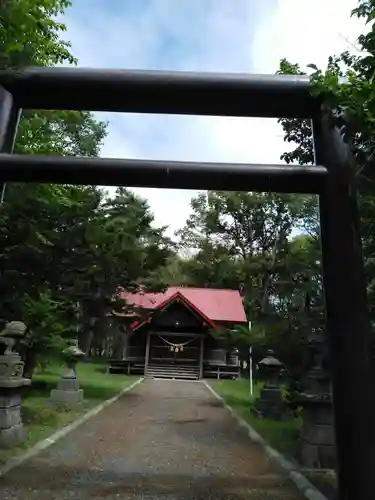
(272, 367)
(12, 431)
(270, 404)
(317, 441)
(68, 393)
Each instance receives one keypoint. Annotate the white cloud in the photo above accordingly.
(203, 35)
(305, 32)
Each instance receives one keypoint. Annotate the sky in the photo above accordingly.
(239, 36)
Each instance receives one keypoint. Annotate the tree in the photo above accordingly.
(79, 247)
(31, 215)
(346, 85)
(239, 238)
(46, 331)
(30, 34)
(64, 246)
(244, 241)
(176, 271)
(121, 249)
(38, 225)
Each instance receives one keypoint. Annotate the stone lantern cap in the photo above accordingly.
(73, 351)
(13, 330)
(271, 361)
(11, 365)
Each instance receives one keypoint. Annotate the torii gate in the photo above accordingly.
(332, 178)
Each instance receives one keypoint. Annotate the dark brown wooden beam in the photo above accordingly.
(161, 174)
(136, 91)
(9, 118)
(348, 323)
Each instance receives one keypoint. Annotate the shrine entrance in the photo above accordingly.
(175, 349)
(174, 355)
(332, 178)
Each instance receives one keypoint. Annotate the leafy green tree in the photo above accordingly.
(38, 224)
(46, 333)
(122, 249)
(30, 34)
(64, 249)
(79, 247)
(346, 85)
(239, 238)
(244, 241)
(176, 271)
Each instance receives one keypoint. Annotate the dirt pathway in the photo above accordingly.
(165, 440)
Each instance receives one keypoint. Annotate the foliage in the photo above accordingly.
(45, 333)
(238, 237)
(65, 250)
(60, 133)
(241, 337)
(178, 271)
(78, 247)
(347, 88)
(244, 241)
(29, 33)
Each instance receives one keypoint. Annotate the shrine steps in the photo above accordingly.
(173, 372)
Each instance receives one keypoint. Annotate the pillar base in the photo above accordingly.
(13, 436)
(66, 399)
(270, 405)
(317, 438)
(315, 456)
(12, 431)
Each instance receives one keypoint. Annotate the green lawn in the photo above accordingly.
(41, 419)
(281, 435)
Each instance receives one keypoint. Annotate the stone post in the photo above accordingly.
(270, 404)
(68, 393)
(317, 441)
(12, 431)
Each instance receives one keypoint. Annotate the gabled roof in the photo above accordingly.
(176, 297)
(217, 305)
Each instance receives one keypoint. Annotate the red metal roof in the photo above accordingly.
(216, 304)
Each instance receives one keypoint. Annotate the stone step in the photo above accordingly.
(177, 376)
(173, 368)
(180, 372)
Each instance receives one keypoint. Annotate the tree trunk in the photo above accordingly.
(30, 364)
(267, 280)
(86, 340)
(120, 344)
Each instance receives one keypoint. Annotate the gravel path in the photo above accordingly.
(165, 440)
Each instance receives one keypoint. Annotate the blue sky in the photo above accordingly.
(202, 35)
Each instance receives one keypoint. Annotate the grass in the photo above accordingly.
(41, 420)
(281, 435)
